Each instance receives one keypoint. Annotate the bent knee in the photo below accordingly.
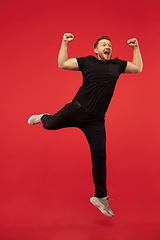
(49, 126)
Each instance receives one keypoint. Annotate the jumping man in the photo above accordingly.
(88, 108)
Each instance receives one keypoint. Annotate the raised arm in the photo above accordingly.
(136, 65)
(63, 61)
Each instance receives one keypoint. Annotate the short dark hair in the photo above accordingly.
(103, 37)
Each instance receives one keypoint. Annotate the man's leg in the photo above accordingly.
(63, 118)
(96, 136)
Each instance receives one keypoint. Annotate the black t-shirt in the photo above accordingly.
(99, 80)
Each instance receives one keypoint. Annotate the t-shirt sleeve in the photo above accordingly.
(123, 65)
(81, 63)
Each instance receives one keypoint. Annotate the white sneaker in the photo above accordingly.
(35, 119)
(103, 205)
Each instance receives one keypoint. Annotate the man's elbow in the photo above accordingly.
(140, 69)
(60, 65)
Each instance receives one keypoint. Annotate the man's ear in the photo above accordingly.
(95, 50)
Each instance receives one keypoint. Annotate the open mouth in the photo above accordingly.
(107, 53)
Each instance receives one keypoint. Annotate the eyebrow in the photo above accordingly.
(106, 43)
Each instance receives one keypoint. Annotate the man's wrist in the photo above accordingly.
(64, 43)
(136, 47)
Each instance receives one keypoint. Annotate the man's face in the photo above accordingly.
(104, 50)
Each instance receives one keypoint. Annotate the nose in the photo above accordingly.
(108, 48)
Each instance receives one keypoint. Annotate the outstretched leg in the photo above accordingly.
(68, 116)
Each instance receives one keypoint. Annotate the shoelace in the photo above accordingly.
(107, 202)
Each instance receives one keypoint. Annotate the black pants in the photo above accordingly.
(73, 115)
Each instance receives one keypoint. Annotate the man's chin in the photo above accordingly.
(104, 58)
(107, 58)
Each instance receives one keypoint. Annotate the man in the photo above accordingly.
(88, 108)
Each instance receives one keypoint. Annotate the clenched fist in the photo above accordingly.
(68, 37)
(133, 42)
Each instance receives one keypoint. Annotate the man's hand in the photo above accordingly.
(137, 64)
(133, 42)
(63, 61)
(68, 37)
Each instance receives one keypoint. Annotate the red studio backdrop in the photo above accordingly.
(45, 176)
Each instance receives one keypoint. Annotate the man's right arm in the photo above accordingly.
(63, 61)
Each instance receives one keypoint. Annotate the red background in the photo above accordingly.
(45, 176)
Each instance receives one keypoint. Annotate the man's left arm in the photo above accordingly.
(136, 65)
